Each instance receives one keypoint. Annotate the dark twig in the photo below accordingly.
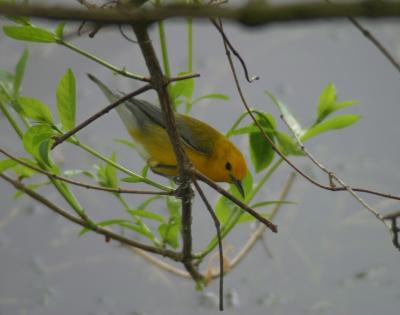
(65, 136)
(242, 205)
(88, 186)
(373, 40)
(183, 77)
(220, 249)
(107, 233)
(219, 27)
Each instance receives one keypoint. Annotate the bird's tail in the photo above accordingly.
(127, 116)
(111, 96)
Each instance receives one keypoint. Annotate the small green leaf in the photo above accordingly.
(215, 96)
(224, 209)
(37, 141)
(289, 118)
(169, 234)
(147, 214)
(145, 171)
(59, 31)
(174, 207)
(337, 122)
(261, 151)
(20, 72)
(111, 173)
(326, 101)
(6, 164)
(288, 145)
(30, 34)
(182, 88)
(35, 109)
(66, 100)
(148, 201)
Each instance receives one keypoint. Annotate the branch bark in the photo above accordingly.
(250, 14)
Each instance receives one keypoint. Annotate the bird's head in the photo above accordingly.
(231, 165)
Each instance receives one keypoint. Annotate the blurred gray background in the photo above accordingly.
(330, 255)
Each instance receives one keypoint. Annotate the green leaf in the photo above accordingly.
(148, 201)
(215, 96)
(145, 171)
(169, 234)
(327, 103)
(20, 72)
(224, 209)
(111, 173)
(289, 118)
(182, 88)
(37, 141)
(147, 214)
(288, 145)
(261, 151)
(59, 31)
(337, 122)
(6, 164)
(35, 109)
(174, 207)
(66, 100)
(30, 34)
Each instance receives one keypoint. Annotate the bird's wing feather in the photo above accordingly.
(199, 141)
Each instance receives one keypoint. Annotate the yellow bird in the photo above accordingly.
(210, 152)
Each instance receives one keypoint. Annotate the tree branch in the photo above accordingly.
(253, 13)
(99, 230)
(84, 185)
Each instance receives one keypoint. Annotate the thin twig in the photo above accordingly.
(159, 263)
(184, 77)
(242, 205)
(220, 249)
(373, 40)
(333, 176)
(220, 29)
(88, 186)
(99, 230)
(65, 136)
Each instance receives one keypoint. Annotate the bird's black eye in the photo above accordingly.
(228, 166)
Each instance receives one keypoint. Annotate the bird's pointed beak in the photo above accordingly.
(238, 185)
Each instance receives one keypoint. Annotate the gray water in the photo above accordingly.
(330, 255)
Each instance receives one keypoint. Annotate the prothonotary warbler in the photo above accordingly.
(210, 152)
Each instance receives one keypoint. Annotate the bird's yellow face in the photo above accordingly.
(229, 165)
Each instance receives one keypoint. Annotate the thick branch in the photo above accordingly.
(252, 14)
(159, 83)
